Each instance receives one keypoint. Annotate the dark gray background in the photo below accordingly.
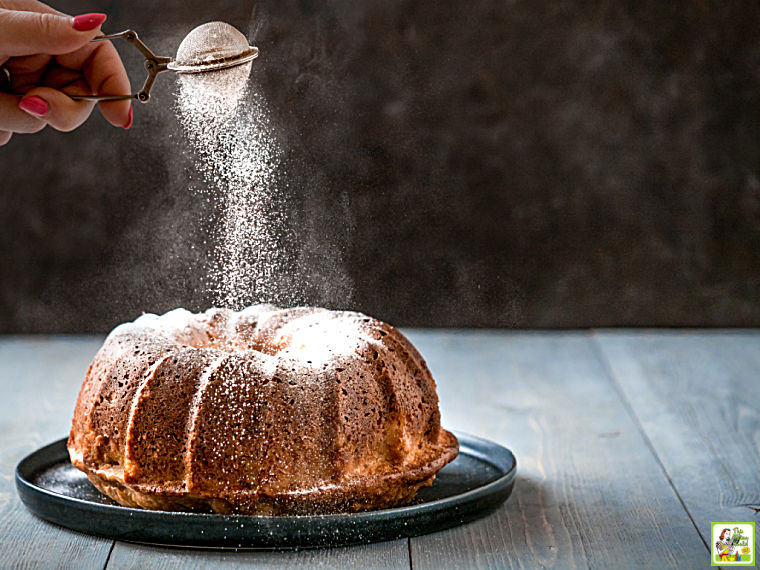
(489, 163)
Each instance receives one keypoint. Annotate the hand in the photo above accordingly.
(50, 56)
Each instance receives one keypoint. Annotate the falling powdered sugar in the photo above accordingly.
(229, 130)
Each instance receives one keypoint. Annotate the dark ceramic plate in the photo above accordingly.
(470, 487)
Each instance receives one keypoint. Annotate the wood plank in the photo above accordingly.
(697, 396)
(40, 379)
(589, 491)
(393, 554)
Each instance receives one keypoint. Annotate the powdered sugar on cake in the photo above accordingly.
(311, 340)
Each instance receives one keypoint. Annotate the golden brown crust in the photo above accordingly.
(266, 411)
(368, 493)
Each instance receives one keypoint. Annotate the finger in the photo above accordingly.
(59, 77)
(102, 68)
(26, 33)
(28, 65)
(5, 136)
(105, 73)
(30, 6)
(14, 119)
(63, 113)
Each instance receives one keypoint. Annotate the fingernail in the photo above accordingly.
(129, 121)
(34, 105)
(87, 22)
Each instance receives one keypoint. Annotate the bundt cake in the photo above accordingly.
(262, 411)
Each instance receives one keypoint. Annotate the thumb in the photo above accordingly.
(29, 33)
(57, 109)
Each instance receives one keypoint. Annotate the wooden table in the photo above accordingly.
(628, 445)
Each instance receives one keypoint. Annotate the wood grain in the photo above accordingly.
(589, 491)
(40, 379)
(697, 397)
(393, 554)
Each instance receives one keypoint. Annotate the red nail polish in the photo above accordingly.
(34, 105)
(87, 22)
(129, 121)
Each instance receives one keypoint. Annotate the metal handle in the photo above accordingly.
(154, 64)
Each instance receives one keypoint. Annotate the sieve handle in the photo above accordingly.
(154, 65)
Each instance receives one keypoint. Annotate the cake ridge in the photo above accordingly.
(84, 407)
(194, 410)
(148, 374)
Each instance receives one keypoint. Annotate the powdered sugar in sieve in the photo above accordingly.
(210, 47)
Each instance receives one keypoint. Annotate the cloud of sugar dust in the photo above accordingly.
(237, 156)
(257, 254)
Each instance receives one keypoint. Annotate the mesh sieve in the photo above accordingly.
(212, 46)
